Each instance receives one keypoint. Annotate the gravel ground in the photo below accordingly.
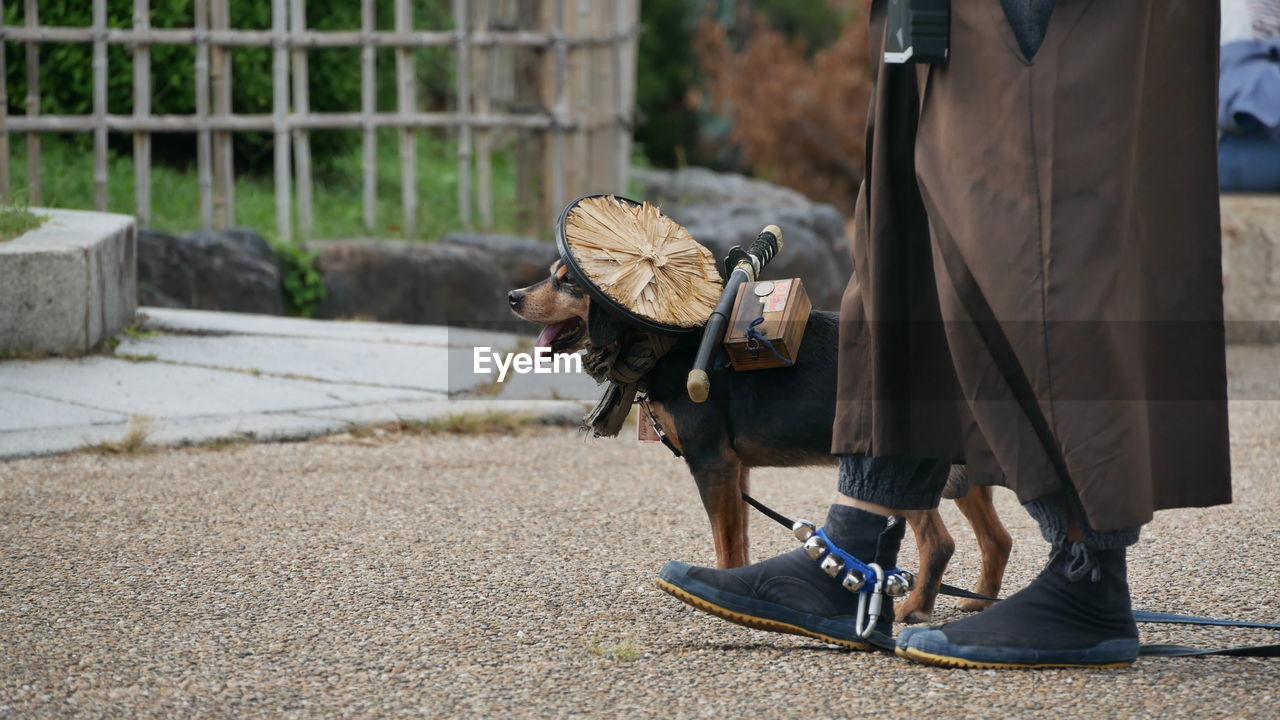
(483, 576)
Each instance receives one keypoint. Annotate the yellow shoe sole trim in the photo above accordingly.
(751, 621)
(928, 658)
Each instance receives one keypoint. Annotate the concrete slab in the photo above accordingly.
(52, 440)
(550, 411)
(68, 283)
(381, 364)
(29, 412)
(257, 427)
(163, 390)
(201, 322)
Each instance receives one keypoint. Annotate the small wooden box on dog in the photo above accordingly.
(784, 308)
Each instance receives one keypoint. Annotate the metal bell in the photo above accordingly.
(832, 565)
(814, 547)
(895, 586)
(803, 530)
(854, 580)
(910, 578)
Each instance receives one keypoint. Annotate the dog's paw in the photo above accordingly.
(911, 614)
(972, 605)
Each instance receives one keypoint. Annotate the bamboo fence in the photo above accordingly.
(580, 54)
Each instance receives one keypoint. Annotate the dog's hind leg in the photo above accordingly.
(935, 547)
(993, 541)
(720, 485)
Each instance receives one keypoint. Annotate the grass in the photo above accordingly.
(627, 649)
(134, 441)
(67, 181)
(16, 219)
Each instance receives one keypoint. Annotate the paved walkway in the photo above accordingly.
(190, 376)
(491, 576)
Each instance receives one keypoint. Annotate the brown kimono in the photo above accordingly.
(1038, 278)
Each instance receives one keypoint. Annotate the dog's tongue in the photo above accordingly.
(550, 333)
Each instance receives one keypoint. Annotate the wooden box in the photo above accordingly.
(785, 307)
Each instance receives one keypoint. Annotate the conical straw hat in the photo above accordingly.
(641, 260)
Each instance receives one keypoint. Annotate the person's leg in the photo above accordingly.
(789, 593)
(1076, 612)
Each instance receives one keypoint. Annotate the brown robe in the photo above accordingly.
(1038, 278)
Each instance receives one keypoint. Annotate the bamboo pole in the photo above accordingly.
(204, 152)
(463, 72)
(560, 108)
(280, 119)
(579, 165)
(263, 122)
(484, 138)
(224, 178)
(32, 18)
(627, 26)
(99, 66)
(301, 136)
(531, 72)
(367, 109)
(312, 39)
(142, 109)
(4, 114)
(407, 101)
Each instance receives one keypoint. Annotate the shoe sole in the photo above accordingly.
(928, 658)
(751, 621)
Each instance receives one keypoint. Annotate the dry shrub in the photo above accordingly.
(799, 121)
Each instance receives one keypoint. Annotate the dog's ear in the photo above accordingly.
(602, 329)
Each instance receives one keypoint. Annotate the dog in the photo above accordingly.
(779, 417)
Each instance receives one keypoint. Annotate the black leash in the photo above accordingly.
(1142, 616)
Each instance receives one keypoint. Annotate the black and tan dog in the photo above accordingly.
(761, 418)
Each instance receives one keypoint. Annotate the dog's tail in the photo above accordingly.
(957, 483)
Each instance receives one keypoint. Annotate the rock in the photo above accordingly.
(1251, 267)
(722, 210)
(413, 282)
(231, 270)
(524, 260)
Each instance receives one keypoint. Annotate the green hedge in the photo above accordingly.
(66, 72)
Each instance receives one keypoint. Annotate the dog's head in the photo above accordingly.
(562, 304)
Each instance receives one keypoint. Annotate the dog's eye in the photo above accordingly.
(568, 280)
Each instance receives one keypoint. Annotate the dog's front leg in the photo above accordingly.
(720, 484)
(935, 547)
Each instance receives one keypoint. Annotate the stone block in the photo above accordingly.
(69, 283)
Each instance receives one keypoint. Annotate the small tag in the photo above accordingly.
(777, 299)
(645, 432)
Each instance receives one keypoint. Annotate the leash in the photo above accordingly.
(1142, 616)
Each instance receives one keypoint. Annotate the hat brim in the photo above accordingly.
(617, 307)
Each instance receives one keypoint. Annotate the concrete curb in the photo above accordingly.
(69, 283)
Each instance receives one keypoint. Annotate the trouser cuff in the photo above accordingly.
(1051, 512)
(901, 483)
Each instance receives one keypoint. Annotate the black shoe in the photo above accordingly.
(790, 593)
(1076, 613)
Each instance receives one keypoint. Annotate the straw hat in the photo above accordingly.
(639, 262)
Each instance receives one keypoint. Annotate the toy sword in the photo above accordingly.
(746, 265)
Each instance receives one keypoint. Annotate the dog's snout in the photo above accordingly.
(515, 297)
